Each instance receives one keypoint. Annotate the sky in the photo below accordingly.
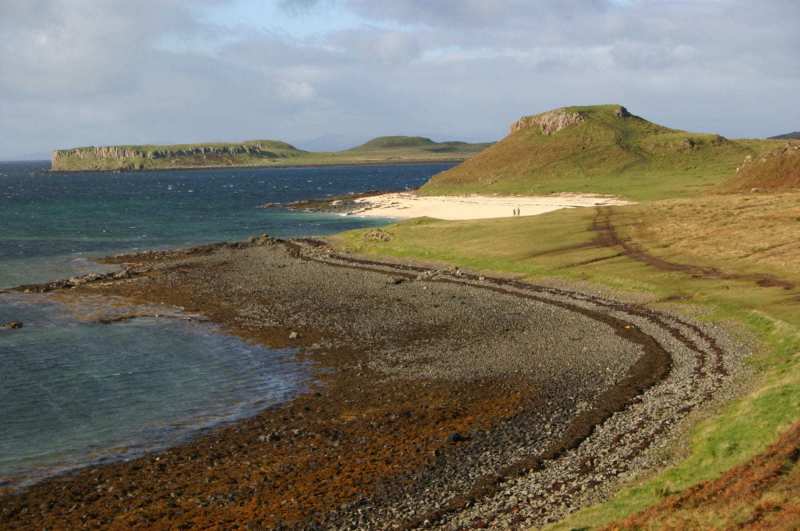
(330, 74)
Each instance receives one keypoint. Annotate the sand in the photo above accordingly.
(405, 205)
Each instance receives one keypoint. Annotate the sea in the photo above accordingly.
(74, 392)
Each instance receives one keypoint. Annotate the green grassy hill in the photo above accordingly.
(399, 147)
(601, 149)
(393, 142)
(257, 153)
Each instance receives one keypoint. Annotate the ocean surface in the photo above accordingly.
(74, 392)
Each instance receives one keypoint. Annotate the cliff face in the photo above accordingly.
(548, 122)
(154, 157)
(552, 122)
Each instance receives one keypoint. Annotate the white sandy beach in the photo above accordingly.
(406, 205)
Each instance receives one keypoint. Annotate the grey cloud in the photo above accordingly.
(297, 7)
(369, 45)
(78, 72)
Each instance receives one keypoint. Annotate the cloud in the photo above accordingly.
(375, 45)
(78, 72)
(297, 7)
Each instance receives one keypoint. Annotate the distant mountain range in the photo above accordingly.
(787, 136)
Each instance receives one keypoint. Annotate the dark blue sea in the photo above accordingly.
(74, 392)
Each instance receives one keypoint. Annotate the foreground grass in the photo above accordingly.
(559, 245)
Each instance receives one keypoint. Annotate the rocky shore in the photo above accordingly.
(443, 399)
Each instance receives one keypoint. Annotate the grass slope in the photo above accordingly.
(736, 233)
(608, 151)
(391, 142)
(257, 153)
(404, 147)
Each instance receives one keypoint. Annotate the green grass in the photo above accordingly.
(384, 142)
(549, 246)
(390, 145)
(605, 153)
(742, 429)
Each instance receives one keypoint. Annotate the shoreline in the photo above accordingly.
(156, 434)
(409, 204)
(447, 457)
(259, 166)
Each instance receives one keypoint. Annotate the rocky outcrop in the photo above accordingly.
(550, 122)
(778, 170)
(622, 112)
(121, 152)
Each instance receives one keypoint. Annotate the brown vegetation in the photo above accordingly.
(778, 170)
(761, 494)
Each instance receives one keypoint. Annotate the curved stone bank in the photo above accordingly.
(445, 399)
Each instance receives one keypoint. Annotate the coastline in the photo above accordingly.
(388, 162)
(469, 416)
(407, 205)
(410, 204)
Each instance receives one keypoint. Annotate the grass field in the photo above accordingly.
(742, 235)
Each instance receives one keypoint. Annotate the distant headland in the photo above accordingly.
(385, 149)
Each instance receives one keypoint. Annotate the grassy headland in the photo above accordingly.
(602, 149)
(256, 153)
(690, 246)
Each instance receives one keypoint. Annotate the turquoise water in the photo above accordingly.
(52, 223)
(74, 392)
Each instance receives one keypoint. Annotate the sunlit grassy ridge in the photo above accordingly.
(608, 151)
(735, 233)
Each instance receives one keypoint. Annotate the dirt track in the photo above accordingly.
(608, 237)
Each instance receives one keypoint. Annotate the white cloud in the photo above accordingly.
(78, 72)
(296, 91)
